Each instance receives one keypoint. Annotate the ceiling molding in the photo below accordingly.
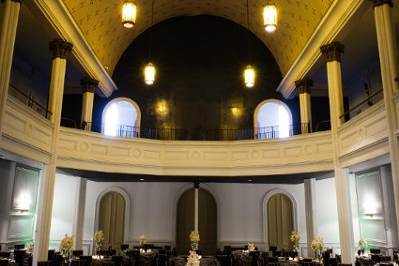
(61, 20)
(333, 22)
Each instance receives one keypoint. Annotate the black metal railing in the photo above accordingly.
(29, 101)
(370, 100)
(271, 132)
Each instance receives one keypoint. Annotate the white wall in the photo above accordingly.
(64, 206)
(326, 212)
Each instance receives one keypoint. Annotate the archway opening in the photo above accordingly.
(112, 219)
(280, 221)
(273, 119)
(207, 222)
(121, 118)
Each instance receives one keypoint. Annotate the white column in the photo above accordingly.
(8, 32)
(303, 86)
(310, 211)
(60, 49)
(89, 85)
(196, 191)
(77, 230)
(387, 53)
(333, 53)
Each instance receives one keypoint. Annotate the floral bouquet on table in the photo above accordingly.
(193, 259)
(194, 239)
(295, 237)
(362, 245)
(142, 240)
(31, 246)
(251, 247)
(317, 247)
(99, 240)
(66, 246)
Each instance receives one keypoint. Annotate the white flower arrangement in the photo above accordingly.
(66, 246)
(194, 239)
(31, 247)
(193, 259)
(317, 247)
(362, 244)
(251, 247)
(142, 240)
(99, 240)
(295, 237)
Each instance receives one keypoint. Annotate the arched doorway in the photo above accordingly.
(280, 221)
(111, 219)
(121, 117)
(207, 222)
(272, 119)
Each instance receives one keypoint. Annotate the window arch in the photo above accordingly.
(121, 117)
(272, 119)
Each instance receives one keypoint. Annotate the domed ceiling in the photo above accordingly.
(100, 23)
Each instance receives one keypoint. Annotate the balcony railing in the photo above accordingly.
(127, 131)
(29, 101)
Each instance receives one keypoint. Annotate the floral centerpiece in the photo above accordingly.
(66, 246)
(295, 237)
(317, 247)
(30, 247)
(142, 240)
(194, 239)
(251, 247)
(362, 245)
(193, 259)
(99, 240)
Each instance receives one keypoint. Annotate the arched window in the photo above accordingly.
(272, 119)
(121, 117)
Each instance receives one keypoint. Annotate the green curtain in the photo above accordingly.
(279, 221)
(112, 219)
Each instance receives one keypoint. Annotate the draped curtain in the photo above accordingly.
(112, 219)
(279, 221)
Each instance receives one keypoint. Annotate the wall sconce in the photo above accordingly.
(162, 108)
(236, 111)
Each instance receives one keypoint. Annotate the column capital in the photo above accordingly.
(89, 84)
(304, 85)
(381, 2)
(60, 48)
(17, 1)
(197, 184)
(332, 51)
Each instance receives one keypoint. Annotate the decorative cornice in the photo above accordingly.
(304, 85)
(17, 1)
(332, 51)
(89, 84)
(60, 48)
(381, 2)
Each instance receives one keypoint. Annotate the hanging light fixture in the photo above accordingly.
(270, 18)
(149, 74)
(149, 70)
(249, 72)
(129, 13)
(249, 76)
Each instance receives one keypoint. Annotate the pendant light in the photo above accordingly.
(270, 18)
(249, 72)
(149, 70)
(129, 12)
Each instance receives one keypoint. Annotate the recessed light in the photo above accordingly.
(141, 179)
(249, 180)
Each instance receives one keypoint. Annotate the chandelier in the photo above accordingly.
(129, 13)
(270, 18)
(249, 76)
(149, 74)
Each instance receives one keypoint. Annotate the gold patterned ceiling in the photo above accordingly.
(101, 24)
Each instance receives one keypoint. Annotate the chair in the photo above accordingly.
(3, 262)
(124, 247)
(4, 254)
(77, 253)
(118, 260)
(19, 257)
(42, 263)
(19, 246)
(85, 260)
(375, 251)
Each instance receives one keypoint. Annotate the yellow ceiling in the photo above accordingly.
(101, 24)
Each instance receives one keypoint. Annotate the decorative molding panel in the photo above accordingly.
(25, 132)
(367, 133)
(92, 151)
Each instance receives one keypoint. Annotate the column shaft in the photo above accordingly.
(8, 32)
(87, 109)
(389, 71)
(306, 111)
(78, 224)
(310, 210)
(196, 190)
